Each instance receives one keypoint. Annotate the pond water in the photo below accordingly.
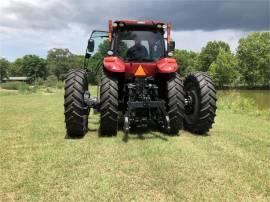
(261, 97)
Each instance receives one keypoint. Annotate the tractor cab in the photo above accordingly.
(139, 42)
(123, 35)
(131, 44)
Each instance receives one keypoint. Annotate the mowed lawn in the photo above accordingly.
(37, 163)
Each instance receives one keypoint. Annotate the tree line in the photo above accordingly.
(249, 66)
(57, 63)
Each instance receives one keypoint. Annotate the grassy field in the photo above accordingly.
(231, 163)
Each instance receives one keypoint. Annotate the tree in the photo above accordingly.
(77, 60)
(209, 54)
(60, 61)
(34, 66)
(223, 69)
(4, 65)
(104, 47)
(99, 55)
(15, 68)
(186, 60)
(253, 54)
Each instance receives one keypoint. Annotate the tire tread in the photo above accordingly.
(75, 109)
(207, 105)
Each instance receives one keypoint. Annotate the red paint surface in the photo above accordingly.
(114, 64)
(167, 65)
(164, 65)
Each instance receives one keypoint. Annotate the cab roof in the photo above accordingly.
(140, 22)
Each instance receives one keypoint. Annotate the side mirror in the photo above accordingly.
(172, 46)
(91, 45)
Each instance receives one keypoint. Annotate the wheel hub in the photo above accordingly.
(190, 101)
(86, 97)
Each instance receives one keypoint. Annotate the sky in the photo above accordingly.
(35, 26)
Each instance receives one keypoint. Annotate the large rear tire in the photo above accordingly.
(175, 103)
(108, 105)
(76, 110)
(200, 113)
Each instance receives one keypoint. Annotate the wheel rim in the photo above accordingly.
(191, 109)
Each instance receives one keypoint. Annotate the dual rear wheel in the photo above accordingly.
(77, 110)
(191, 104)
(200, 109)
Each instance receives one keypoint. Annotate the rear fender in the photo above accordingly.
(167, 65)
(114, 64)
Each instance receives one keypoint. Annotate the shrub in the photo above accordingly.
(20, 86)
(11, 85)
(60, 85)
(48, 90)
(39, 82)
(24, 88)
(236, 103)
(51, 81)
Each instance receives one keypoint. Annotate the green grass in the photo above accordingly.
(37, 163)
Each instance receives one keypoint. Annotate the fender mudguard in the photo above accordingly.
(164, 65)
(167, 65)
(114, 64)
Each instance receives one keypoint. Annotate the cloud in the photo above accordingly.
(27, 15)
(185, 15)
(35, 26)
(195, 40)
(74, 38)
(39, 42)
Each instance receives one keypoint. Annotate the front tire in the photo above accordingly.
(76, 110)
(200, 113)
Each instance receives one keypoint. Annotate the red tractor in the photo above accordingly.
(139, 83)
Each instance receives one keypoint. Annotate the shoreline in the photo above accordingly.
(243, 88)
